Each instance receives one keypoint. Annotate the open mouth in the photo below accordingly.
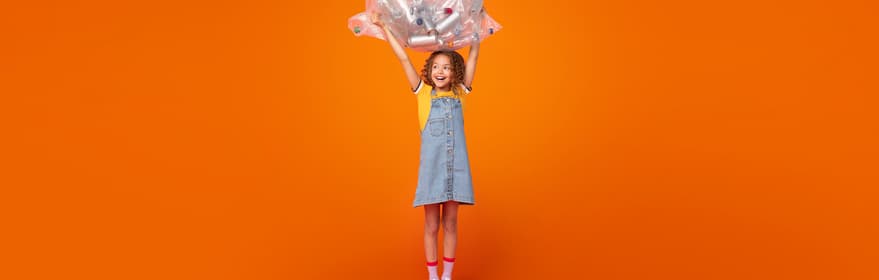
(440, 78)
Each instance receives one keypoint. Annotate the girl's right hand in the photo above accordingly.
(375, 19)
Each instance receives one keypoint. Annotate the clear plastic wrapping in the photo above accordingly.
(427, 25)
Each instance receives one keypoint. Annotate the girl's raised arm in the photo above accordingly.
(411, 74)
(471, 63)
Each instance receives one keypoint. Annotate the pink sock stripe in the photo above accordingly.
(449, 259)
(432, 263)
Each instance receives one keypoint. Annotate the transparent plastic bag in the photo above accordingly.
(427, 25)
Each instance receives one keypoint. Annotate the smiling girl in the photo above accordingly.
(444, 180)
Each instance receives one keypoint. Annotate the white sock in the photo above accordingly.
(431, 270)
(448, 264)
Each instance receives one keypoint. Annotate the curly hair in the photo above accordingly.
(458, 69)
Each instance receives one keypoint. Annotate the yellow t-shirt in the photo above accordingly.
(422, 94)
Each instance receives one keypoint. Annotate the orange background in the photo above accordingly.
(608, 140)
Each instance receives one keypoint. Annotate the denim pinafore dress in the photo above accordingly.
(444, 168)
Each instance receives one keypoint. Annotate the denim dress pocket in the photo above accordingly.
(436, 127)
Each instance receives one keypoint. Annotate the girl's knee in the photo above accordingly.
(450, 225)
(431, 227)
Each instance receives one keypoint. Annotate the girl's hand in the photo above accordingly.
(375, 19)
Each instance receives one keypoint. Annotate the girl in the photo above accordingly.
(444, 180)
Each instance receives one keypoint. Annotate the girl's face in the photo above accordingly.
(441, 72)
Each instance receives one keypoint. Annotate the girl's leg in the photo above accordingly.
(450, 237)
(450, 228)
(431, 227)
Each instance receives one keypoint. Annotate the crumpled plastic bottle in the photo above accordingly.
(427, 25)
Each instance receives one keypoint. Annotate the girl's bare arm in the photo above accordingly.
(471, 63)
(411, 74)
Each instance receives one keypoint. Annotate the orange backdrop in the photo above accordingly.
(608, 140)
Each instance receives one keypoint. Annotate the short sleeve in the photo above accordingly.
(466, 89)
(418, 88)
